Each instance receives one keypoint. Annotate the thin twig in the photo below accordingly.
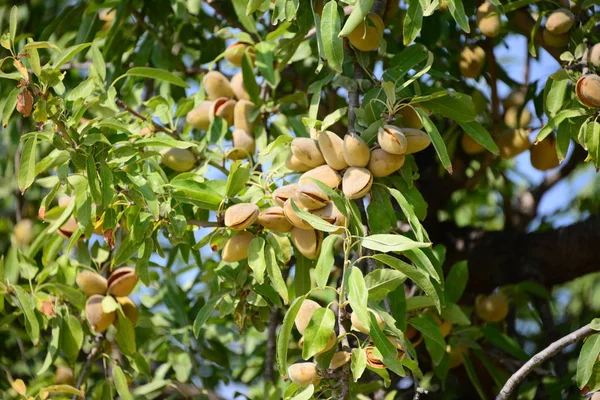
(203, 224)
(514, 381)
(156, 125)
(88, 364)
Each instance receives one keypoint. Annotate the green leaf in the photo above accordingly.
(359, 12)
(411, 216)
(399, 306)
(358, 295)
(416, 275)
(473, 377)
(164, 141)
(305, 394)
(274, 272)
(458, 13)
(390, 242)
(71, 338)
(592, 142)
(479, 134)
(556, 95)
(250, 79)
(121, 383)
(9, 106)
(382, 281)
(437, 140)
(69, 53)
(333, 117)
(27, 166)
(330, 29)
(314, 221)
(34, 60)
(413, 21)
(587, 358)
(454, 314)
(40, 45)
(205, 313)
(98, 61)
(456, 282)
(418, 303)
(504, 342)
(125, 334)
(456, 106)
(405, 61)
(358, 363)
(434, 341)
(555, 121)
(283, 338)
(326, 260)
(201, 194)
(302, 283)
(247, 20)
(143, 261)
(265, 59)
(153, 73)
(237, 179)
(318, 332)
(385, 347)
(83, 90)
(60, 389)
(26, 304)
(13, 19)
(256, 259)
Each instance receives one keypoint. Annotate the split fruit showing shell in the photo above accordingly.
(199, 117)
(236, 248)
(488, 19)
(492, 308)
(311, 196)
(302, 374)
(383, 163)
(305, 313)
(332, 148)
(543, 155)
(471, 61)
(216, 85)
(223, 107)
(91, 283)
(307, 241)
(357, 182)
(367, 35)
(241, 216)
(97, 318)
(356, 151)
(281, 194)
(307, 152)
(122, 281)
(373, 359)
(392, 139)
(588, 90)
(273, 218)
(179, 160)
(360, 327)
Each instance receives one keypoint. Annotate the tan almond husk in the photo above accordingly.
(241, 216)
(372, 360)
(416, 140)
(543, 155)
(244, 145)
(305, 313)
(199, 117)
(332, 148)
(307, 241)
(291, 215)
(560, 21)
(357, 182)
(340, 359)
(273, 218)
(307, 152)
(130, 309)
(92, 283)
(325, 174)
(588, 90)
(281, 194)
(356, 151)
(223, 107)
(292, 162)
(242, 113)
(238, 87)
(311, 196)
(216, 85)
(302, 374)
(392, 139)
(97, 318)
(383, 163)
(236, 248)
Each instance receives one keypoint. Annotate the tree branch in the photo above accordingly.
(88, 363)
(269, 376)
(539, 358)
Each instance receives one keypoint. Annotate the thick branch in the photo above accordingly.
(539, 358)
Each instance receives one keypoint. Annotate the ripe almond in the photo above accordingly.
(311, 196)
(91, 283)
(307, 152)
(325, 174)
(392, 139)
(236, 248)
(356, 150)
(357, 182)
(332, 147)
(216, 85)
(307, 241)
(122, 281)
(281, 194)
(199, 117)
(273, 218)
(97, 318)
(241, 216)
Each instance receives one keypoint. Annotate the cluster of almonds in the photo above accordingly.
(515, 139)
(118, 285)
(558, 25)
(228, 100)
(305, 373)
(349, 161)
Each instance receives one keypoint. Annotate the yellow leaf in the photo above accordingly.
(61, 389)
(20, 387)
